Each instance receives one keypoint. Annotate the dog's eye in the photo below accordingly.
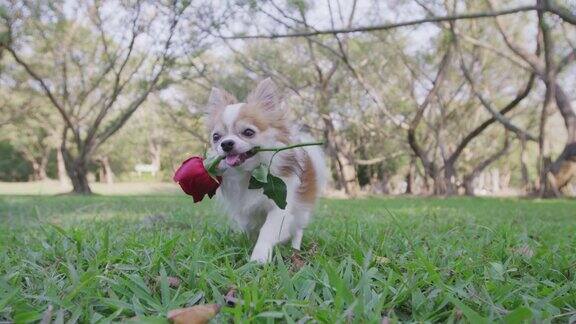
(248, 132)
(216, 137)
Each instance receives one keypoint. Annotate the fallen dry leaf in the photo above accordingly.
(199, 314)
(458, 315)
(313, 249)
(297, 261)
(382, 260)
(231, 298)
(173, 282)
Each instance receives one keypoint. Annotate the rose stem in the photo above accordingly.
(278, 149)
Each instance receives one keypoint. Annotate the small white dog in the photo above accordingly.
(262, 121)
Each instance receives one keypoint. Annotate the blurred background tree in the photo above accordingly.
(468, 98)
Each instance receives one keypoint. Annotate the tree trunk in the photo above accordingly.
(410, 176)
(77, 171)
(495, 180)
(543, 153)
(35, 168)
(548, 186)
(439, 185)
(444, 182)
(38, 170)
(345, 172)
(564, 167)
(379, 183)
(449, 179)
(39, 167)
(38, 163)
(349, 174)
(156, 153)
(43, 163)
(79, 176)
(505, 179)
(62, 176)
(524, 166)
(337, 166)
(346, 169)
(109, 174)
(427, 188)
(409, 183)
(469, 188)
(106, 173)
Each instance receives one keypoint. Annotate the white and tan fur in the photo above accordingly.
(302, 169)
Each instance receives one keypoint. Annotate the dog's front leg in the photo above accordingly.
(276, 229)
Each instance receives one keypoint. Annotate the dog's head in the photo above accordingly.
(236, 128)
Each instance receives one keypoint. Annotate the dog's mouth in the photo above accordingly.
(235, 159)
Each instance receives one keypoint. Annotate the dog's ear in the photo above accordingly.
(219, 99)
(266, 95)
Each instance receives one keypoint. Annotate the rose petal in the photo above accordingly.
(195, 180)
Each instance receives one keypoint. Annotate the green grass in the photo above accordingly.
(473, 260)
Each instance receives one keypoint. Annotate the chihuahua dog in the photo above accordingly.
(262, 121)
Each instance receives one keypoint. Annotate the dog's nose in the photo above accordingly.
(227, 145)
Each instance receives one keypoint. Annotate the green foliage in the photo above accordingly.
(52, 165)
(300, 5)
(417, 260)
(5, 37)
(273, 187)
(261, 173)
(13, 166)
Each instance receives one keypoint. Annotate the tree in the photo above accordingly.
(105, 71)
(545, 64)
(444, 172)
(31, 134)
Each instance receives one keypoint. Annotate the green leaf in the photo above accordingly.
(274, 188)
(255, 184)
(27, 317)
(261, 173)
(164, 287)
(518, 316)
(211, 165)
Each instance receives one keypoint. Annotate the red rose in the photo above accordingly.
(195, 180)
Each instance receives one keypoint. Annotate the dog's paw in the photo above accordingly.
(261, 255)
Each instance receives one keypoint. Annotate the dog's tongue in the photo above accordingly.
(233, 159)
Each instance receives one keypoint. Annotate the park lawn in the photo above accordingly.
(106, 258)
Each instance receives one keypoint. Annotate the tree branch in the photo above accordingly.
(117, 87)
(530, 58)
(560, 11)
(478, 130)
(45, 88)
(495, 114)
(115, 124)
(392, 25)
(412, 140)
(489, 160)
